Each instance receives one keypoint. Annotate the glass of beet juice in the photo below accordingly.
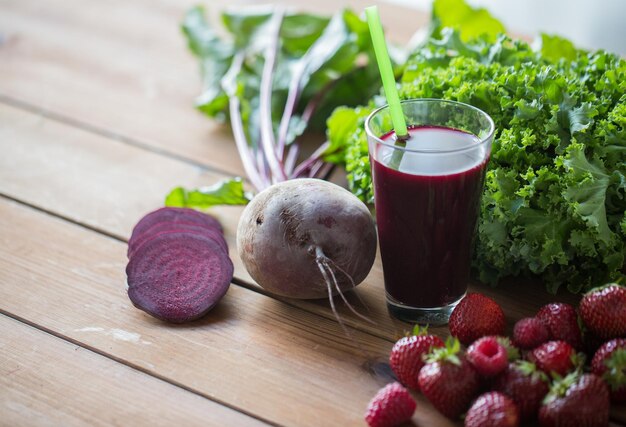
(427, 190)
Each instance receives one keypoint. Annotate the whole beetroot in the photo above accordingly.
(306, 238)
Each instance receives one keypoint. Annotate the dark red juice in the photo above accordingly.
(426, 214)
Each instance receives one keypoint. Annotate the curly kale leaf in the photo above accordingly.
(555, 196)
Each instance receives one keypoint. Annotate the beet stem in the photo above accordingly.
(293, 96)
(303, 167)
(315, 168)
(267, 132)
(239, 134)
(326, 171)
(292, 156)
(312, 105)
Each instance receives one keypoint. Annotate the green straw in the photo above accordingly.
(386, 72)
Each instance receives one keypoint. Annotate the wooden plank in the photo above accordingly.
(108, 185)
(137, 187)
(252, 352)
(86, 271)
(45, 380)
(58, 57)
(123, 68)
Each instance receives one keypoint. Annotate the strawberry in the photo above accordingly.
(526, 385)
(555, 356)
(448, 380)
(603, 311)
(576, 400)
(490, 355)
(609, 363)
(492, 409)
(407, 354)
(476, 316)
(391, 406)
(529, 333)
(561, 321)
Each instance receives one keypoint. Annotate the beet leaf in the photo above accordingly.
(274, 75)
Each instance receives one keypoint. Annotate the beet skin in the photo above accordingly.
(296, 235)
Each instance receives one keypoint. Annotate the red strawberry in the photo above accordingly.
(448, 381)
(492, 409)
(554, 356)
(562, 323)
(476, 316)
(575, 401)
(490, 355)
(609, 363)
(407, 354)
(526, 385)
(529, 333)
(603, 311)
(391, 406)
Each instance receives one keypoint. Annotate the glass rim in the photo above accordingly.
(481, 142)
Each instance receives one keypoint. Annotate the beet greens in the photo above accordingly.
(274, 75)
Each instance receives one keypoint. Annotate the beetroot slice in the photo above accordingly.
(158, 226)
(178, 277)
(164, 227)
(215, 238)
(173, 215)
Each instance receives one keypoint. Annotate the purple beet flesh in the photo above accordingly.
(178, 277)
(178, 266)
(165, 227)
(172, 216)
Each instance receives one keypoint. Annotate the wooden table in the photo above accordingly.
(96, 125)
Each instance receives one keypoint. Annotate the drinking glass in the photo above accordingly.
(427, 193)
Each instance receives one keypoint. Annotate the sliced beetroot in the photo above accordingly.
(178, 277)
(165, 227)
(174, 215)
(159, 226)
(205, 234)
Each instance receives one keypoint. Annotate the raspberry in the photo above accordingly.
(488, 356)
(391, 406)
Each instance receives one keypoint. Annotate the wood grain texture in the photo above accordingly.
(45, 380)
(119, 71)
(252, 352)
(98, 262)
(109, 185)
(122, 68)
(80, 60)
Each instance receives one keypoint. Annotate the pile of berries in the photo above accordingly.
(538, 377)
